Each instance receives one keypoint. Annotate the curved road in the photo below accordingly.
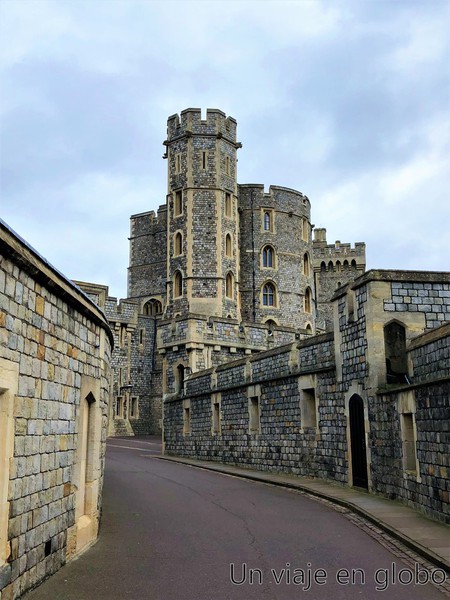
(174, 532)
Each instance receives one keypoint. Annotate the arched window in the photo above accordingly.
(338, 265)
(353, 264)
(178, 244)
(308, 300)
(267, 221)
(330, 266)
(177, 285)
(323, 266)
(229, 285)
(228, 251)
(309, 329)
(152, 308)
(180, 378)
(268, 257)
(269, 298)
(395, 352)
(270, 323)
(345, 264)
(306, 265)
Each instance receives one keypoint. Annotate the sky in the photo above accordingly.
(346, 101)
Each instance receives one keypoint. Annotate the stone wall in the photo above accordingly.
(303, 395)
(55, 347)
(287, 438)
(427, 483)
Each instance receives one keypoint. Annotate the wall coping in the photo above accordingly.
(44, 273)
(429, 337)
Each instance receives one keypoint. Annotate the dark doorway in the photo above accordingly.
(358, 441)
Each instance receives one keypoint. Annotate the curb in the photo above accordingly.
(411, 544)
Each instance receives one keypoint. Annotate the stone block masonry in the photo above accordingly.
(291, 408)
(55, 349)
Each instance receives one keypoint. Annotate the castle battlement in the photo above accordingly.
(190, 122)
(148, 222)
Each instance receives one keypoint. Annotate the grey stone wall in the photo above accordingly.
(290, 238)
(56, 340)
(430, 298)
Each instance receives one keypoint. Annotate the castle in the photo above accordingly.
(224, 270)
(248, 339)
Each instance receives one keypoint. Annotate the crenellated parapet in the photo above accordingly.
(190, 123)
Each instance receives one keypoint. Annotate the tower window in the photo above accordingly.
(228, 250)
(228, 211)
(306, 269)
(268, 257)
(152, 308)
(308, 300)
(229, 285)
(305, 228)
(204, 159)
(227, 165)
(178, 163)
(178, 244)
(269, 294)
(267, 221)
(178, 285)
(178, 206)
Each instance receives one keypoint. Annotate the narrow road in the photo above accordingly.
(174, 532)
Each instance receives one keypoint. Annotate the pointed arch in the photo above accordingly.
(306, 265)
(268, 257)
(228, 246)
(269, 294)
(229, 285)
(177, 284)
(308, 300)
(178, 244)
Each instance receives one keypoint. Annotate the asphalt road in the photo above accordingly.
(174, 532)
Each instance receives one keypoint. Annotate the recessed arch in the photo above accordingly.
(229, 285)
(228, 246)
(152, 308)
(308, 300)
(330, 266)
(178, 244)
(177, 284)
(306, 265)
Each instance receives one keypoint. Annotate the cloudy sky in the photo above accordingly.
(347, 101)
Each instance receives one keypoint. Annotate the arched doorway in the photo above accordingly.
(358, 441)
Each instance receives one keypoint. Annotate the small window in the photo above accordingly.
(330, 266)
(323, 266)
(179, 376)
(306, 267)
(305, 230)
(178, 208)
(215, 412)
(228, 250)
(345, 264)
(267, 220)
(141, 336)
(395, 353)
(308, 408)
(353, 264)
(204, 160)
(268, 257)
(254, 425)
(227, 165)
(269, 295)
(123, 336)
(338, 265)
(177, 285)
(178, 163)
(186, 417)
(119, 407)
(152, 308)
(178, 245)
(408, 442)
(308, 300)
(229, 285)
(228, 207)
(309, 329)
(133, 407)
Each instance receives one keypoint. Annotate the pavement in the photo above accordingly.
(429, 539)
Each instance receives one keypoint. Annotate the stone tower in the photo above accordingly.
(277, 284)
(334, 265)
(202, 231)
